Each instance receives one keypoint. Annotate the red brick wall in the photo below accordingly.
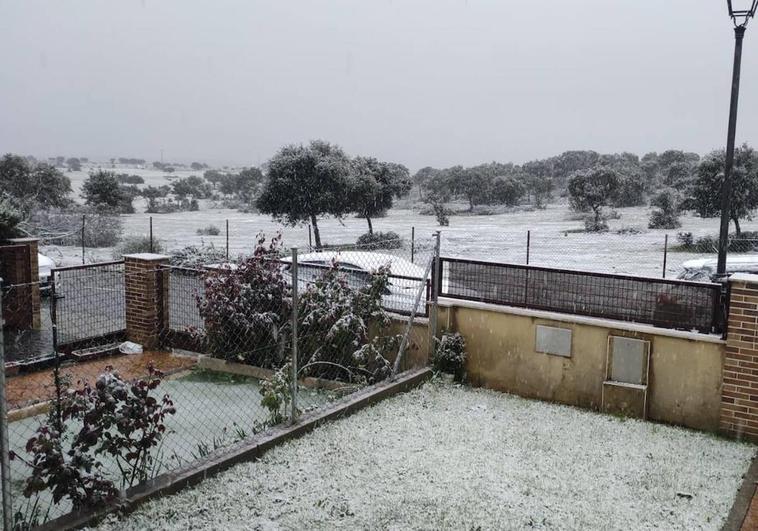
(739, 393)
(146, 291)
(19, 267)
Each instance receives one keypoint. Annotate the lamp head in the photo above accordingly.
(741, 11)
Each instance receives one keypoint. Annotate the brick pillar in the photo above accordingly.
(146, 291)
(19, 267)
(739, 390)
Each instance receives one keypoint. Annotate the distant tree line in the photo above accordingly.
(304, 183)
(672, 181)
(131, 161)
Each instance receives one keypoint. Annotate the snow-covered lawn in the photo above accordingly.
(212, 410)
(497, 237)
(455, 457)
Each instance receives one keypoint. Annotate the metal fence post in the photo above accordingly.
(665, 253)
(151, 234)
(528, 245)
(83, 219)
(413, 243)
(5, 465)
(293, 377)
(436, 282)
(227, 240)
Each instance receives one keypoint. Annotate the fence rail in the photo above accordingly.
(665, 303)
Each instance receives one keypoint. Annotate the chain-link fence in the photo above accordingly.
(151, 367)
(646, 254)
(196, 238)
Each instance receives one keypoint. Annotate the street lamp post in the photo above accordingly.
(740, 16)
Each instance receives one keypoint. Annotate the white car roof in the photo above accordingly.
(44, 261)
(365, 260)
(733, 263)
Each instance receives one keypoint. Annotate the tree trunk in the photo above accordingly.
(737, 229)
(370, 227)
(316, 233)
(470, 204)
(597, 216)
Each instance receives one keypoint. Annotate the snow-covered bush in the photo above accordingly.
(379, 240)
(197, 255)
(277, 395)
(743, 243)
(64, 227)
(209, 230)
(441, 213)
(624, 231)
(594, 224)
(450, 355)
(343, 328)
(10, 217)
(666, 215)
(247, 309)
(118, 418)
(344, 331)
(136, 245)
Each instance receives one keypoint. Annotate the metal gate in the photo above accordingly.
(88, 306)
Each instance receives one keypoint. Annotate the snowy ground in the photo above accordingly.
(499, 237)
(460, 458)
(212, 410)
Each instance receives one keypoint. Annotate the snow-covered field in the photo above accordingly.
(460, 458)
(499, 237)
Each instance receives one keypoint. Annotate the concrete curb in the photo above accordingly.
(743, 499)
(172, 482)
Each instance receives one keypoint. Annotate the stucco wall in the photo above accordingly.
(685, 368)
(417, 351)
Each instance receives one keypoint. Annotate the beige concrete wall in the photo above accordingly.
(685, 371)
(417, 352)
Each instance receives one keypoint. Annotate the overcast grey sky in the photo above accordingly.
(433, 82)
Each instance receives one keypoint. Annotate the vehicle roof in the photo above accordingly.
(364, 259)
(733, 263)
(43, 260)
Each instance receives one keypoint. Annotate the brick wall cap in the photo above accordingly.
(152, 257)
(744, 277)
(16, 241)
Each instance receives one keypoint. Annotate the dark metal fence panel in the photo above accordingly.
(185, 289)
(660, 302)
(89, 304)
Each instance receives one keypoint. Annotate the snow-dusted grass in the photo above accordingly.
(455, 457)
(212, 410)
(498, 237)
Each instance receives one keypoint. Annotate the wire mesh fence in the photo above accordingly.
(239, 346)
(232, 347)
(639, 253)
(88, 306)
(26, 311)
(192, 238)
(667, 303)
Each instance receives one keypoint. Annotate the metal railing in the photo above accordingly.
(665, 303)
